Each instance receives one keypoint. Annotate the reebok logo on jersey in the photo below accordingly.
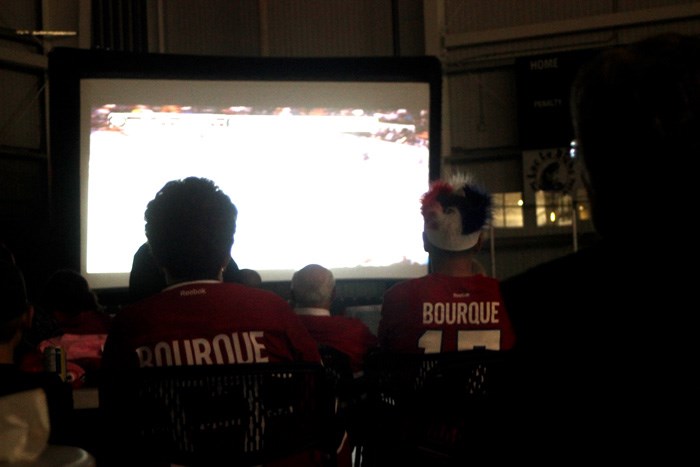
(190, 292)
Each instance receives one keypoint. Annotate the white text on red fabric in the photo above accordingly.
(237, 347)
(460, 313)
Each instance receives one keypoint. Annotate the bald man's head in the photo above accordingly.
(313, 286)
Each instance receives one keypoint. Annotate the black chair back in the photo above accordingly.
(433, 409)
(244, 414)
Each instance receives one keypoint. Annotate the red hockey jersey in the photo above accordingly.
(207, 323)
(440, 313)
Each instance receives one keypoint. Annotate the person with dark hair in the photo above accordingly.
(73, 319)
(198, 319)
(442, 320)
(73, 305)
(249, 277)
(146, 278)
(15, 318)
(429, 313)
(601, 341)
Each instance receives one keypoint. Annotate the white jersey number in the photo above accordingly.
(431, 341)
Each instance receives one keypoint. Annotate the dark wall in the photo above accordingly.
(24, 214)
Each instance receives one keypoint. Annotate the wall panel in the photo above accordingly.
(21, 120)
(330, 28)
(482, 104)
(214, 27)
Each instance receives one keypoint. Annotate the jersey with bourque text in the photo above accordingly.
(440, 313)
(207, 323)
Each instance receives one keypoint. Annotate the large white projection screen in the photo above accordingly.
(320, 171)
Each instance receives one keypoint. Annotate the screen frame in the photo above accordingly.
(68, 66)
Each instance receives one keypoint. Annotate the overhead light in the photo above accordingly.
(27, 32)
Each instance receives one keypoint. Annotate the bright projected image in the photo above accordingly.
(335, 182)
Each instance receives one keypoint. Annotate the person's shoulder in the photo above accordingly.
(134, 306)
(254, 297)
(248, 291)
(229, 291)
(406, 285)
(583, 263)
(483, 279)
(576, 281)
(89, 322)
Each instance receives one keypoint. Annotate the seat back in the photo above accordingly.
(433, 409)
(242, 414)
(339, 373)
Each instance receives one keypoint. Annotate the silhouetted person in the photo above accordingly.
(15, 318)
(603, 335)
(312, 292)
(74, 320)
(190, 226)
(199, 319)
(454, 307)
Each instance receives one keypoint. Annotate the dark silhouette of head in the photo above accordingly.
(68, 292)
(635, 111)
(190, 226)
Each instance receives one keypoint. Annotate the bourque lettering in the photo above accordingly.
(237, 347)
(460, 313)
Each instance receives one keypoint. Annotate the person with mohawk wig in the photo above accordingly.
(455, 307)
(440, 396)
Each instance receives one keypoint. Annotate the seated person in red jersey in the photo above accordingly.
(199, 319)
(15, 318)
(74, 320)
(312, 294)
(453, 308)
